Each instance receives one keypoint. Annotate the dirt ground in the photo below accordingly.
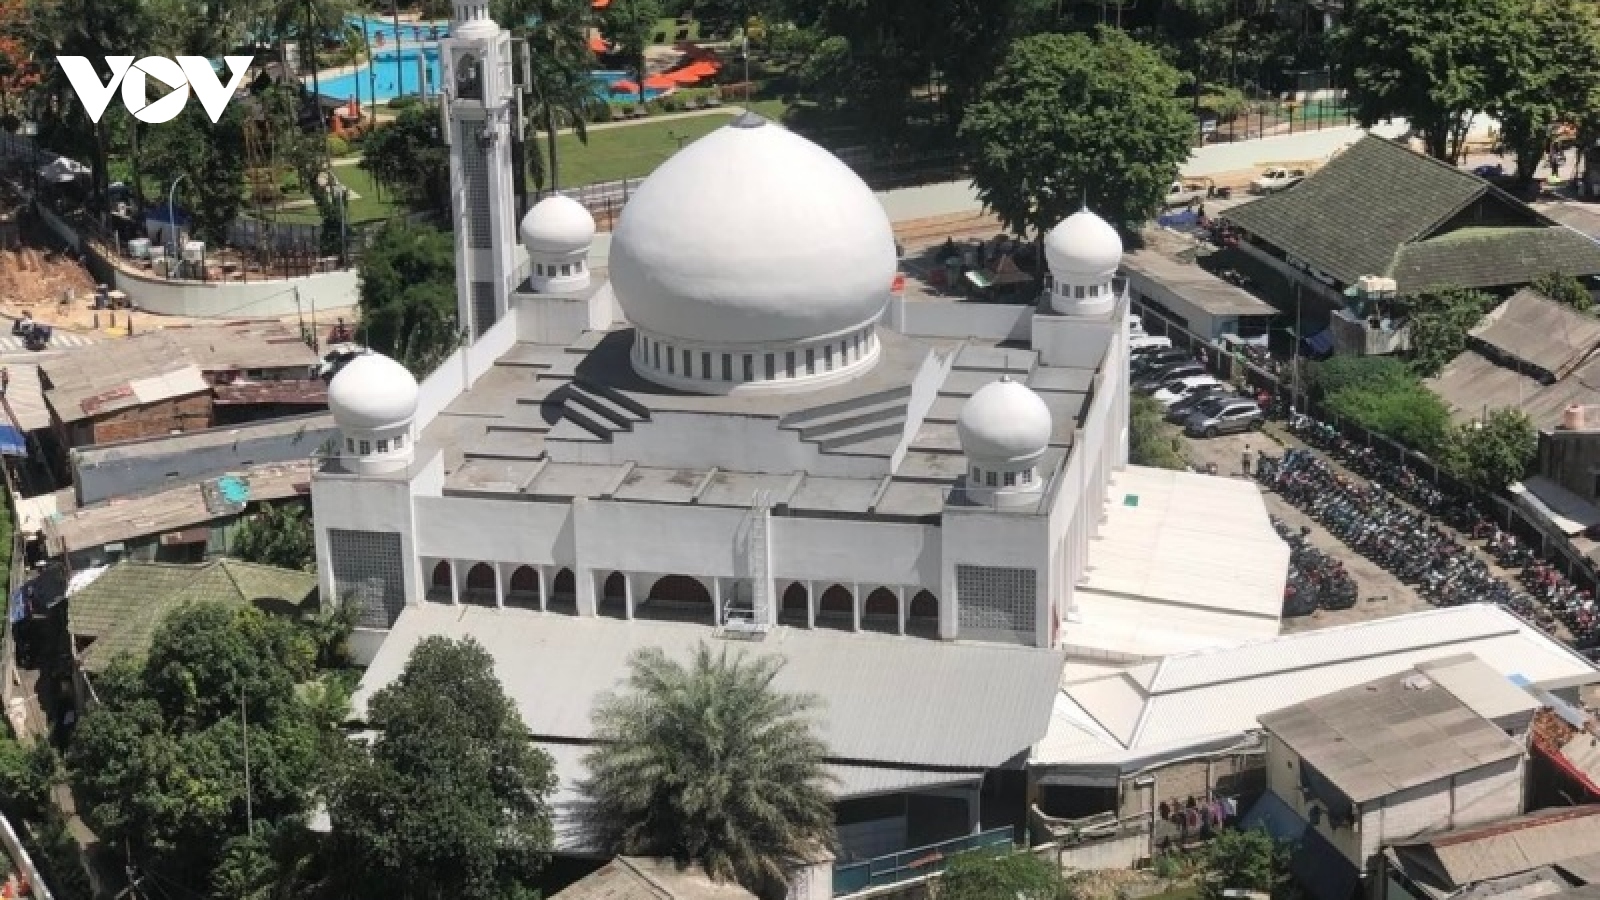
(1381, 593)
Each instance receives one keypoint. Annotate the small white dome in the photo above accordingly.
(557, 225)
(372, 392)
(750, 235)
(1004, 422)
(1083, 245)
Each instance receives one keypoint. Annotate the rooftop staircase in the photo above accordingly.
(598, 410)
(856, 425)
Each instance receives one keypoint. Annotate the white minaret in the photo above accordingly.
(479, 109)
(1084, 252)
(1005, 429)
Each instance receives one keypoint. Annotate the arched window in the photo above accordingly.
(922, 618)
(614, 596)
(881, 612)
(677, 598)
(439, 590)
(480, 586)
(836, 609)
(563, 594)
(795, 603)
(523, 590)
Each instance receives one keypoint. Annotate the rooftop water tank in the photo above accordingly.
(1572, 418)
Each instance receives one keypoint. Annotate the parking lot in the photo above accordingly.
(1381, 593)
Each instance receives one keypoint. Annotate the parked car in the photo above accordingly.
(1159, 359)
(1141, 344)
(1179, 388)
(1153, 381)
(1490, 170)
(1229, 417)
(1185, 193)
(1201, 399)
(1277, 178)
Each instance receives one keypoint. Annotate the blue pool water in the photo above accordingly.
(382, 80)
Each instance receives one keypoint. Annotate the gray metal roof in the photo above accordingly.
(1466, 856)
(1541, 332)
(906, 702)
(1385, 736)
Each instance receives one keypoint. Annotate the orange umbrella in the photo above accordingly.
(598, 44)
(601, 4)
(684, 76)
(624, 87)
(659, 83)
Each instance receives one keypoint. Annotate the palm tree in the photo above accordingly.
(707, 763)
(560, 59)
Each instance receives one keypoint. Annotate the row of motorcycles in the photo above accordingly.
(1316, 580)
(1395, 521)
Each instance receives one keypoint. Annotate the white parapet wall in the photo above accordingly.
(240, 299)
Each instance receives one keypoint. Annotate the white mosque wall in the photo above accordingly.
(463, 367)
(982, 537)
(486, 530)
(364, 504)
(866, 553)
(557, 319)
(1065, 499)
(929, 317)
(1073, 342)
(696, 441)
(641, 537)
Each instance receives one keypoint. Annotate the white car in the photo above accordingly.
(1277, 179)
(1146, 343)
(1177, 389)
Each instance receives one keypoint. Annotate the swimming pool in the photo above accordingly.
(603, 80)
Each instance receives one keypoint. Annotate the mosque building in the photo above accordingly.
(736, 431)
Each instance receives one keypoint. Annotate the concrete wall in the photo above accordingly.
(159, 419)
(100, 473)
(695, 440)
(1472, 798)
(875, 553)
(1147, 290)
(1121, 852)
(1283, 779)
(938, 317)
(1572, 460)
(462, 368)
(240, 299)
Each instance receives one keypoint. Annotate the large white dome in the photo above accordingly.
(372, 392)
(557, 225)
(1083, 245)
(752, 235)
(1005, 421)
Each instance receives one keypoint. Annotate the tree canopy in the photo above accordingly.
(1494, 452)
(1551, 75)
(409, 157)
(1566, 290)
(709, 764)
(1151, 442)
(981, 875)
(211, 156)
(279, 535)
(1073, 118)
(451, 797)
(1439, 320)
(159, 764)
(408, 295)
(1248, 860)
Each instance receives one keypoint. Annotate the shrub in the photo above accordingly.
(403, 102)
(1402, 410)
(338, 146)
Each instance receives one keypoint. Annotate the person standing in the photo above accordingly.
(5, 381)
(1245, 460)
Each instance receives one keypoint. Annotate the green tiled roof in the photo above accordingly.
(121, 609)
(1492, 257)
(1351, 217)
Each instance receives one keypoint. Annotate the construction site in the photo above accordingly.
(36, 277)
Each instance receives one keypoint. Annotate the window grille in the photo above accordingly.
(996, 602)
(368, 571)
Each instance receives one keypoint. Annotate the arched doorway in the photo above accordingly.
(563, 594)
(881, 612)
(439, 583)
(523, 589)
(480, 586)
(677, 598)
(792, 611)
(836, 609)
(614, 596)
(922, 618)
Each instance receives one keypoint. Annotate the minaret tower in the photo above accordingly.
(479, 108)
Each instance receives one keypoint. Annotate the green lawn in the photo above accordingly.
(374, 204)
(634, 151)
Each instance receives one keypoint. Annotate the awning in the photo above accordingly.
(1321, 342)
(624, 87)
(12, 442)
(659, 83)
(1274, 817)
(1564, 510)
(1322, 869)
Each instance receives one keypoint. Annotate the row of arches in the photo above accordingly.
(685, 598)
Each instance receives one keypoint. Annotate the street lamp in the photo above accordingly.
(172, 222)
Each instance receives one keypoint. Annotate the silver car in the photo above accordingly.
(1226, 418)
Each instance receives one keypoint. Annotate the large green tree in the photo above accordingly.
(278, 535)
(1553, 65)
(211, 158)
(409, 157)
(1493, 452)
(708, 763)
(1433, 62)
(1248, 860)
(158, 765)
(982, 875)
(451, 798)
(408, 296)
(629, 25)
(1075, 118)
(560, 61)
(1438, 322)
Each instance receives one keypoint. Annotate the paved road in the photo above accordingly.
(60, 340)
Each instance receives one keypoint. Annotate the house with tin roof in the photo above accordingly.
(1544, 853)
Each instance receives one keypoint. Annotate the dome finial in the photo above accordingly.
(748, 119)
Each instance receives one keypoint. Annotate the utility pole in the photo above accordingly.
(249, 808)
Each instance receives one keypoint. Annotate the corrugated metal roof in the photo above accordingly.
(1470, 855)
(310, 392)
(1478, 685)
(887, 700)
(638, 878)
(180, 383)
(1541, 332)
(1212, 697)
(1379, 738)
